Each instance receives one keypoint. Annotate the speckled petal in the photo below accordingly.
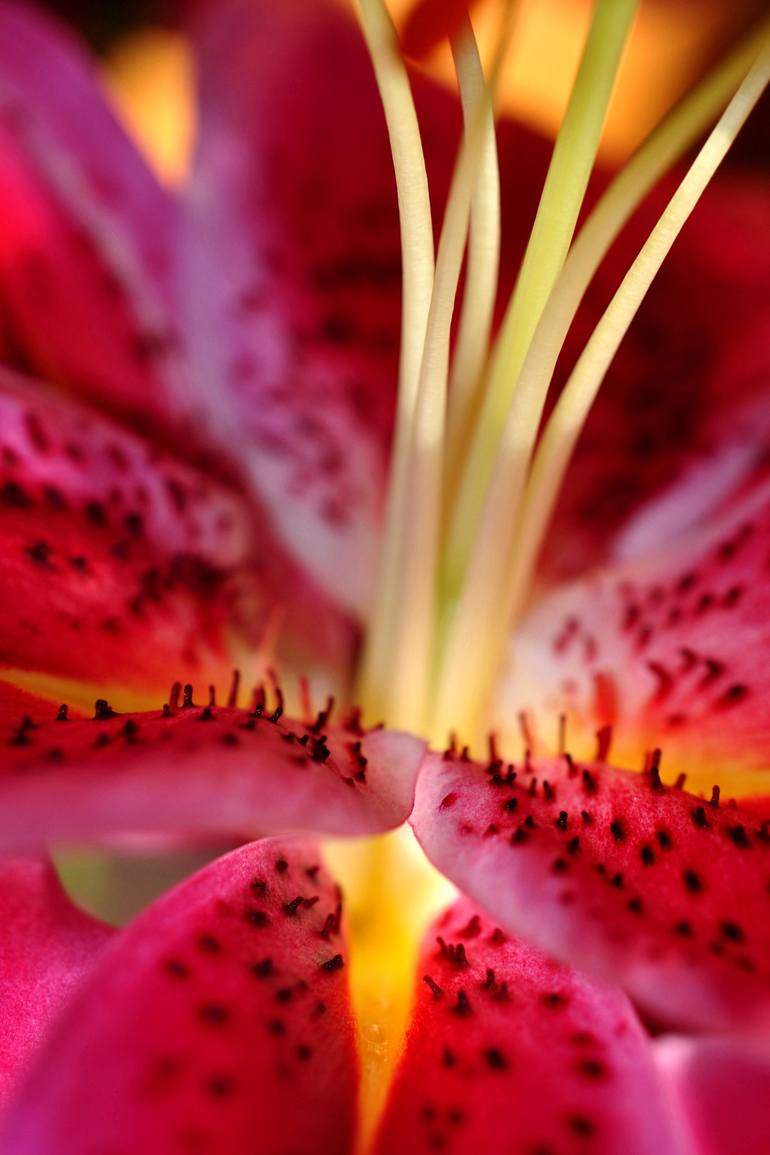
(119, 566)
(218, 1020)
(641, 883)
(511, 1054)
(292, 275)
(669, 649)
(194, 768)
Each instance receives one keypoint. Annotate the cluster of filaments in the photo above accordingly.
(474, 478)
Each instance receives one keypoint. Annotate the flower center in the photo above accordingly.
(474, 479)
(391, 894)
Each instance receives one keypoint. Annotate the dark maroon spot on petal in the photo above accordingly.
(209, 944)
(581, 1125)
(592, 1069)
(176, 968)
(214, 1014)
(495, 1059)
(220, 1086)
(335, 963)
(738, 835)
(432, 986)
(258, 918)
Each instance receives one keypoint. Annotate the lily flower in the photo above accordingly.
(199, 400)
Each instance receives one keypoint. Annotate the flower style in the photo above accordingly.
(198, 401)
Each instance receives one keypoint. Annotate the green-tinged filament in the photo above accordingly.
(402, 633)
(562, 196)
(467, 456)
(507, 547)
(418, 270)
(437, 637)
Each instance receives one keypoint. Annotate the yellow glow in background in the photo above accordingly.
(150, 79)
(150, 75)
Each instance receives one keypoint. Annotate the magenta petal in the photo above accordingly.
(722, 1086)
(510, 1053)
(684, 396)
(218, 1022)
(117, 564)
(192, 768)
(291, 273)
(87, 232)
(48, 946)
(640, 883)
(665, 648)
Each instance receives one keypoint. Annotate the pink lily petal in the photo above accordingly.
(218, 1020)
(684, 409)
(117, 564)
(48, 947)
(87, 231)
(192, 768)
(723, 1086)
(640, 883)
(87, 276)
(291, 273)
(510, 1053)
(665, 649)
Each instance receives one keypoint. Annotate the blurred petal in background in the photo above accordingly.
(149, 73)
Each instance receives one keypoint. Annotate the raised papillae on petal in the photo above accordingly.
(656, 889)
(192, 767)
(510, 1053)
(218, 1022)
(664, 649)
(118, 564)
(47, 948)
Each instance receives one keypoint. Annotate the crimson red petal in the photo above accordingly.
(645, 885)
(431, 21)
(667, 649)
(686, 397)
(292, 276)
(118, 565)
(220, 1018)
(723, 1087)
(87, 232)
(48, 947)
(192, 768)
(88, 276)
(510, 1053)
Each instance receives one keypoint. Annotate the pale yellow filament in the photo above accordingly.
(478, 303)
(562, 196)
(397, 667)
(502, 563)
(417, 279)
